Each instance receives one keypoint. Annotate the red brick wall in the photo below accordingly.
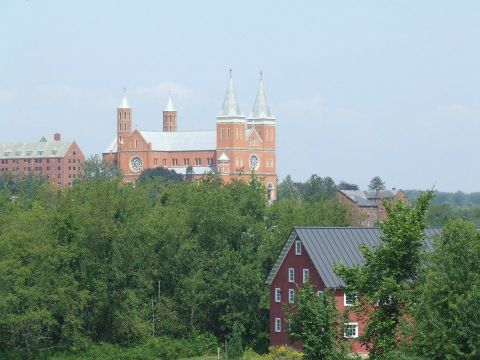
(300, 262)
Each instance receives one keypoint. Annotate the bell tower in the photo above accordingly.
(231, 127)
(169, 116)
(124, 121)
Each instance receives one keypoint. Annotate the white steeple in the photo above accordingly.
(124, 103)
(261, 110)
(230, 107)
(169, 106)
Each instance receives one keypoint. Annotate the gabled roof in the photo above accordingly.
(175, 141)
(41, 149)
(327, 246)
(368, 198)
(254, 132)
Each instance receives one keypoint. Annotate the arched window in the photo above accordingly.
(221, 134)
(228, 133)
(136, 144)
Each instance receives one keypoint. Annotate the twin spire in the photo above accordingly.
(260, 111)
(230, 108)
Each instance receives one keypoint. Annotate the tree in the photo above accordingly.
(388, 273)
(446, 303)
(96, 168)
(287, 189)
(376, 183)
(347, 186)
(161, 173)
(318, 188)
(234, 346)
(315, 322)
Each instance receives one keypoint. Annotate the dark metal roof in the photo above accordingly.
(327, 246)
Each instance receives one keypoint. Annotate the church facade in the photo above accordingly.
(237, 148)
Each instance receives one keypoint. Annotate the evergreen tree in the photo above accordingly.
(376, 183)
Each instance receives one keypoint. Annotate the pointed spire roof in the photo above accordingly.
(169, 106)
(230, 105)
(124, 103)
(261, 110)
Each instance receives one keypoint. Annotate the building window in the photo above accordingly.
(175, 162)
(298, 247)
(350, 330)
(278, 324)
(209, 161)
(186, 162)
(221, 134)
(306, 275)
(58, 176)
(164, 162)
(278, 295)
(291, 275)
(155, 161)
(349, 299)
(228, 133)
(291, 296)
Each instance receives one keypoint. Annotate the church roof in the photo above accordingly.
(369, 198)
(230, 105)
(124, 103)
(261, 110)
(41, 149)
(169, 106)
(176, 141)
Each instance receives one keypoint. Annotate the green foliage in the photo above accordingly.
(83, 265)
(234, 346)
(95, 168)
(347, 186)
(314, 190)
(287, 189)
(388, 273)
(376, 183)
(315, 322)
(446, 302)
(161, 173)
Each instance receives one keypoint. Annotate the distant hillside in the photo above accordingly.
(456, 199)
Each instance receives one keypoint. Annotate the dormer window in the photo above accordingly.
(298, 247)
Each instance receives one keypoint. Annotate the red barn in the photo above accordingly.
(310, 254)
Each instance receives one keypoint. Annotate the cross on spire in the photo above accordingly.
(230, 72)
(261, 74)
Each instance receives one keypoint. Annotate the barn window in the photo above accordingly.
(319, 293)
(278, 324)
(291, 275)
(306, 275)
(349, 299)
(291, 296)
(298, 247)
(350, 330)
(278, 295)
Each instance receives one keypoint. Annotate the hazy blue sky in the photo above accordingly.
(359, 88)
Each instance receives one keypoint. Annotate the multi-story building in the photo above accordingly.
(238, 147)
(310, 254)
(366, 207)
(61, 162)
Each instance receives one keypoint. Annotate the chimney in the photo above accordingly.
(57, 137)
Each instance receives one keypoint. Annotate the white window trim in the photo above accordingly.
(292, 272)
(278, 324)
(319, 293)
(291, 296)
(356, 330)
(345, 300)
(278, 295)
(307, 277)
(298, 249)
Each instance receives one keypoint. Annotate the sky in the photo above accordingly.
(359, 88)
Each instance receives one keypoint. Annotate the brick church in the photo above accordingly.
(238, 147)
